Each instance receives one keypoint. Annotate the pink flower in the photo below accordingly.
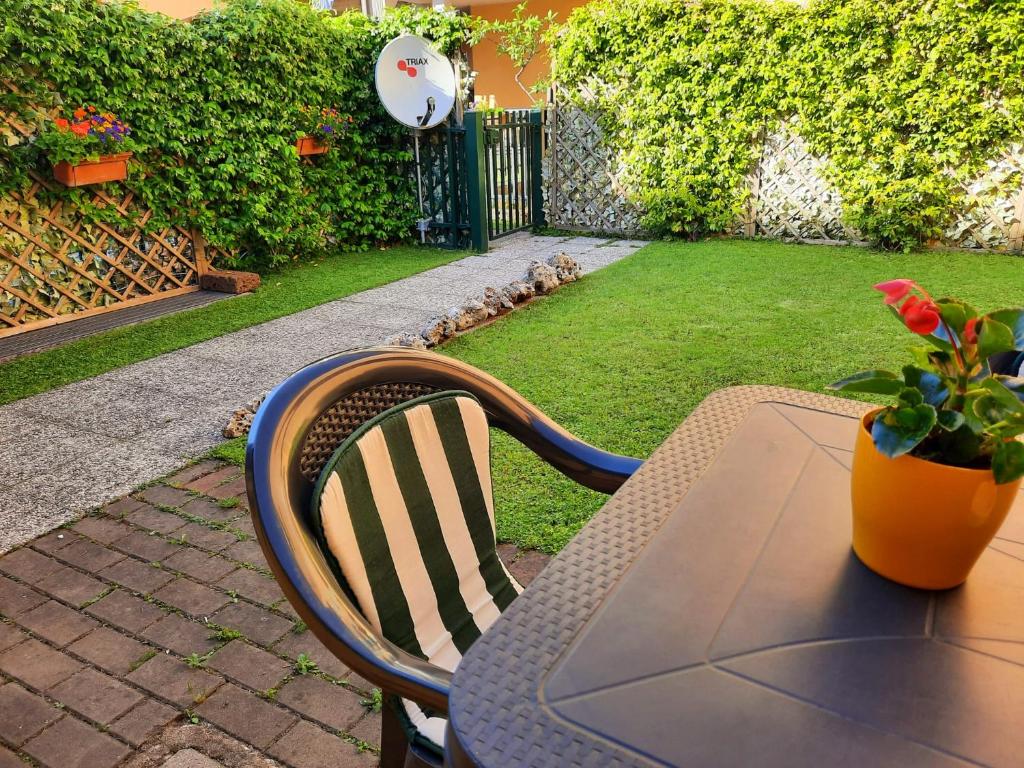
(895, 290)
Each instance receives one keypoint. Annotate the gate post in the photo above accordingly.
(537, 167)
(476, 179)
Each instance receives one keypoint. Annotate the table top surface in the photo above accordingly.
(714, 614)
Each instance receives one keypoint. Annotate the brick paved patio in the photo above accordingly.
(150, 634)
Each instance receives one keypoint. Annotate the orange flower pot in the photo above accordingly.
(107, 168)
(308, 145)
(920, 523)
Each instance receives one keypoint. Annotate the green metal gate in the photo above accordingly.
(482, 180)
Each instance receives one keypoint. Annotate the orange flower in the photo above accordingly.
(79, 113)
(80, 129)
(61, 123)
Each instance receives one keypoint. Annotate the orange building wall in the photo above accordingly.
(496, 73)
(178, 9)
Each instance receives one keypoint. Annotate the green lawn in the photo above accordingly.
(288, 290)
(621, 357)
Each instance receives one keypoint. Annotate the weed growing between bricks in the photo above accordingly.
(126, 542)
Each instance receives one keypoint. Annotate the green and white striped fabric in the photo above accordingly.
(405, 508)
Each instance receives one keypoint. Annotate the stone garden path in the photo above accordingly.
(70, 450)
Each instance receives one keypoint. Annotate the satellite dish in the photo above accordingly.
(415, 83)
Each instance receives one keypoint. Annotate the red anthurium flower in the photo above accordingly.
(895, 290)
(922, 317)
(971, 331)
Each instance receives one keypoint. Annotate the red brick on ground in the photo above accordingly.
(23, 714)
(249, 665)
(57, 623)
(10, 760)
(153, 519)
(192, 598)
(205, 538)
(257, 624)
(88, 555)
(147, 546)
(10, 635)
(231, 490)
(333, 705)
(194, 472)
(245, 715)
(208, 510)
(37, 665)
(199, 565)
(165, 496)
(71, 586)
(101, 529)
(28, 565)
(70, 743)
(137, 576)
(306, 642)
(368, 729)
(171, 679)
(142, 722)
(126, 611)
(252, 585)
(181, 635)
(122, 507)
(109, 650)
(95, 695)
(306, 746)
(247, 552)
(208, 482)
(17, 598)
(54, 541)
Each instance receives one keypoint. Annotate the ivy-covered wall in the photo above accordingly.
(215, 105)
(904, 97)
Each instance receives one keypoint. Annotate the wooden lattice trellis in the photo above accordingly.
(582, 175)
(790, 196)
(56, 265)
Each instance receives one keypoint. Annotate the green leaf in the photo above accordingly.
(877, 382)
(897, 431)
(1014, 320)
(1008, 461)
(994, 337)
(950, 420)
(1006, 397)
(934, 390)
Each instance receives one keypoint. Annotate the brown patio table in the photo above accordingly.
(713, 614)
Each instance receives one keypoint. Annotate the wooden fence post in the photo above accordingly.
(476, 180)
(1016, 236)
(537, 167)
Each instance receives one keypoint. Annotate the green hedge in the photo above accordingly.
(894, 93)
(215, 104)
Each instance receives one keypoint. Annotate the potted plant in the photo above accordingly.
(935, 474)
(90, 147)
(320, 130)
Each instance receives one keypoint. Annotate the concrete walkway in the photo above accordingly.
(73, 449)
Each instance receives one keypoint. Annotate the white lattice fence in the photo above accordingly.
(581, 173)
(790, 197)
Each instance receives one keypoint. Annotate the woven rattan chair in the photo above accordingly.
(295, 432)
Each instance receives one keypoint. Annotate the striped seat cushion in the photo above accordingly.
(405, 511)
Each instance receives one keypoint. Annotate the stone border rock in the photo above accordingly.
(541, 279)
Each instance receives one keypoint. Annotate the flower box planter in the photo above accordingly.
(107, 168)
(308, 145)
